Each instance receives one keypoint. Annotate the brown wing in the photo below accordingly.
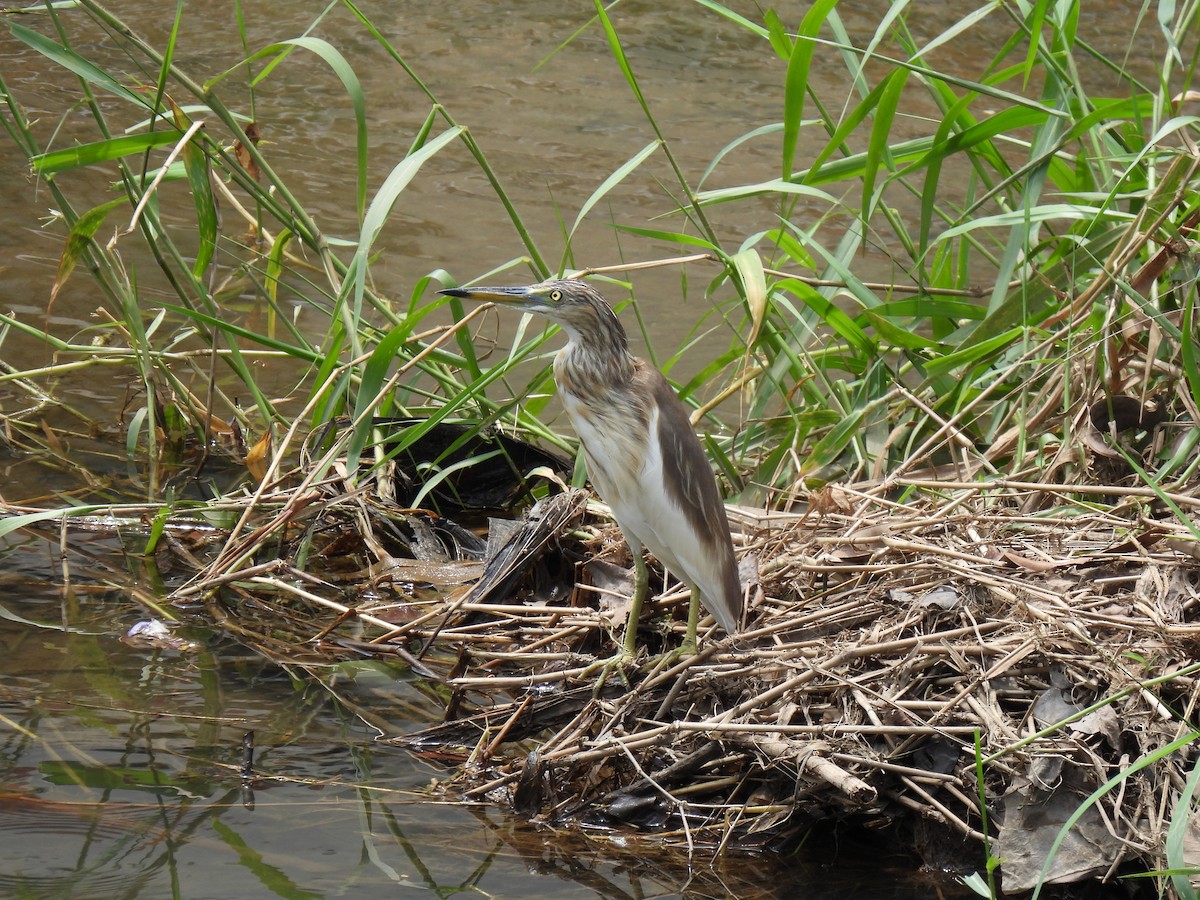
(689, 483)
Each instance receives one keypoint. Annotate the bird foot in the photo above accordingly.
(617, 663)
(684, 650)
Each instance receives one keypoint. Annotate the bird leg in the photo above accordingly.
(641, 584)
(627, 650)
(689, 642)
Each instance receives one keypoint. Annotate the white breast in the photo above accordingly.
(627, 471)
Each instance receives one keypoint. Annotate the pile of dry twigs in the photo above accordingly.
(994, 668)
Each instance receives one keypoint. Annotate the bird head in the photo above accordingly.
(575, 305)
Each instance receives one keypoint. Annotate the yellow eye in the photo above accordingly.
(556, 296)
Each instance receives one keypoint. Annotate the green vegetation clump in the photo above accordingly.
(1048, 274)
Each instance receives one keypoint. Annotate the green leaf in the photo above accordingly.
(1124, 774)
(830, 314)
(613, 180)
(331, 384)
(781, 41)
(972, 354)
(749, 268)
(881, 129)
(196, 164)
(897, 336)
(373, 377)
(853, 166)
(726, 12)
(273, 879)
(345, 72)
(670, 236)
(113, 778)
(9, 524)
(737, 142)
(306, 353)
(73, 62)
(1187, 348)
(964, 24)
(930, 307)
(101, 151)
(434, 477)
(82, 232)
(974, 135)
(776, 186)
(1017, 218)
(275, 262)
(1177, 834)
(618, 52)
(845, 128)
(976, 883)
(1166, 22)
(377, 213)
(796, 81)
(1036, 18)
(830, 447)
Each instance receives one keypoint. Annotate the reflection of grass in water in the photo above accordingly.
(1044, 280)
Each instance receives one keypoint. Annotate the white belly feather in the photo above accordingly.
(630, 480)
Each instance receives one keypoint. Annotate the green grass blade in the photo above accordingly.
(779, 186)
(395, 183)
(796, 80)
(963, 25)
(9, 524)
(896, 335)
(1021, 218)
(433, 479)
(672, 237)
(827, 450)
(1036, 19)
(1187, 348)
(725, 12)
(373, 377)
(830, 314)
(473, 147)
(762, 130)
(196, 164)
(974, 353)
(1094, 796)
(749, 267)
(101, 151)
(1177, 833)
(73, 62)
(79, 239)
(618, 52)
(377, 213)
(845, 128)
(345, 72)
(881, 130)
(613, 180)
(306, 354)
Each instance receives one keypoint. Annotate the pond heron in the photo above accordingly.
(642, 455)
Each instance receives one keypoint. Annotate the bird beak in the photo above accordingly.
(507, 296)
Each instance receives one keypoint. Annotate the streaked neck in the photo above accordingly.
(592, 365)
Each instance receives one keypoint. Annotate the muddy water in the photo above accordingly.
(122, 764)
